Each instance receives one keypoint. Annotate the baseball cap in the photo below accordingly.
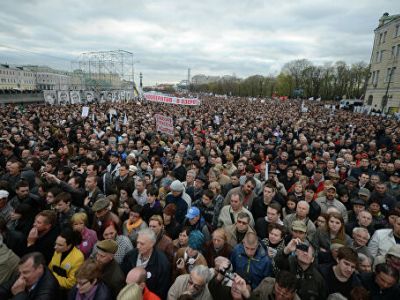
(193, 212)
(108, 246)
(299, 226)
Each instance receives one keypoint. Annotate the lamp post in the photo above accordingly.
(385, 98)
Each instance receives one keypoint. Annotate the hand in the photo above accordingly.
(180, 264)
(292, 246)
(241, 286)
(221, 263)
(14, 216)
(33, 236)
(86, 201)
(18, 286)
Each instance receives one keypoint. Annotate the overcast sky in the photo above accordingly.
(212, 37)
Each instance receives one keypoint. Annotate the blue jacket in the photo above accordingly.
(181, 207)
(254, 268)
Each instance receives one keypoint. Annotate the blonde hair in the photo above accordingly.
(79, 217)
(130, 292)
(157, 218)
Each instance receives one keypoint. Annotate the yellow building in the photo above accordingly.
(383, 88)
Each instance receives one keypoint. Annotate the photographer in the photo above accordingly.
(298, 258)
(239, 290)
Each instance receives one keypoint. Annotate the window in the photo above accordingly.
(397, 31)
(377, 57)
(393, 51)
(373, 77)
(377, 77)
(380, 39)
(390, 74)
(384, 37)
(380, 56)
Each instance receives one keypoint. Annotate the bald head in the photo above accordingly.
(136, 275)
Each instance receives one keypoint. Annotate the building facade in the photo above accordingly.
(17, 78)
(383, 87)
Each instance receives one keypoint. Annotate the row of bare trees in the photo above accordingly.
(298, 78)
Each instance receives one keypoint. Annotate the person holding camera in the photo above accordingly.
(239, 290)
(298, 258)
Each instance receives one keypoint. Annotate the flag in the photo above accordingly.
(117, 125)
(125, 120)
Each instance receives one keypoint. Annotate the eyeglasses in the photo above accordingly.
(82, 283)
(195, 286)
(242, 222)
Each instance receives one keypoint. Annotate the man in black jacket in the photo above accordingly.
(34, 282)
(154, 261)
(43, 234)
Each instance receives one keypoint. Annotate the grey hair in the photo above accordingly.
(359, 229)
(149, 234)
(305, 203)
(362, 257)
(203, 272)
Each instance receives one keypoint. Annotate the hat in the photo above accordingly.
(108, 128)
(351, 179)
(170, 209)
(201, 177)
(397, 174)
(331, 187)
(364, 192)
(337, 244)
(147, 148)
(358, 201)
(196, 240)
(3, 194)
(193, 212)
(177, 186)
(299, 226)
(108, 246)
(394, 251)
(318, 170)
(101, 204)
(132, 155)
(334, 176)
(114, 153)
(132, 168)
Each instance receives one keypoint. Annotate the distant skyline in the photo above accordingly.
(209, 37)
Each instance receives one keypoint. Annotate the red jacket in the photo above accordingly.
(148, 295)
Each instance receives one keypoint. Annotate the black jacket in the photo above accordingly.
(46, 289)
(368, 281)
(102, 292)
(158, 271)
(45, 244)
(310, 284)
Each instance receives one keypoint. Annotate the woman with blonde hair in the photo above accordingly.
(130, 292)
(89, 236)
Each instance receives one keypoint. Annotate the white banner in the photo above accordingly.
(164, 124)
(63, 97)
(89, 96)
(171, 100)
(75, 97)
(50, 97)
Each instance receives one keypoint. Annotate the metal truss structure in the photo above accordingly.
(105, 70)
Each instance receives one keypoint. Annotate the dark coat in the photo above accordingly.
(368, 281)
(46, 289)
(102, 292)
(158, 270)
(45, 244)
(310, 285)
(113, 277)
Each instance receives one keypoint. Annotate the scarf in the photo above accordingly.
(88, 296)
(134, 225)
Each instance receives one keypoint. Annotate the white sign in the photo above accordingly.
(63, 97)
(50, 97)
(85, 111)
(164, 124)
(75, 97)
(171, 100)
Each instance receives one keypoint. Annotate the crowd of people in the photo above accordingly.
(247, 200)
